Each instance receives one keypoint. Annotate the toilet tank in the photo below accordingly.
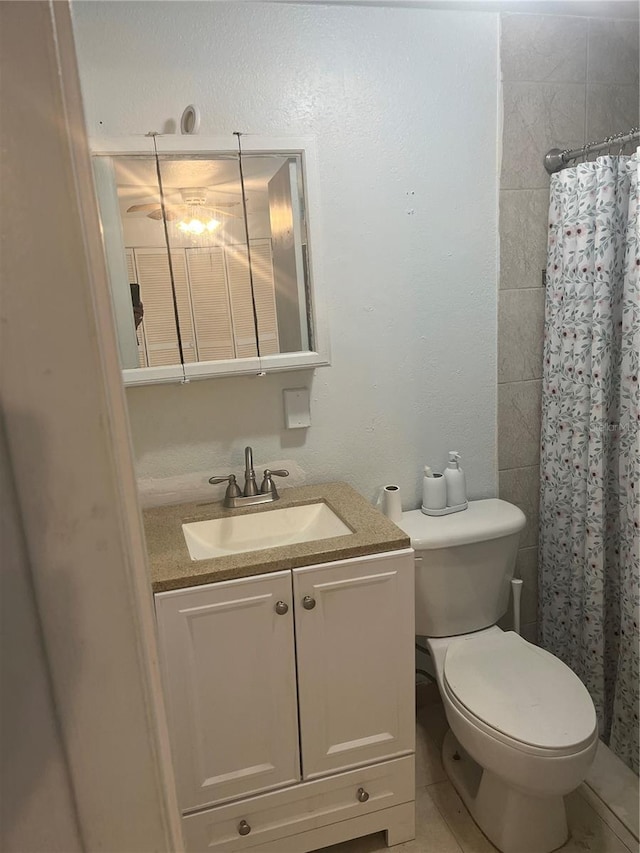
(464, 566)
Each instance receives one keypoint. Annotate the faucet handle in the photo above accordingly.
(268, 487)
(233, 489)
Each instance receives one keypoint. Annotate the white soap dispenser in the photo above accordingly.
(455, 481)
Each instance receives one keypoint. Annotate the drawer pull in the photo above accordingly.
(308, 603)
(363, 796)
(281, 608)
(244, 828)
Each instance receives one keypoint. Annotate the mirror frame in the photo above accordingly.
(304, 147)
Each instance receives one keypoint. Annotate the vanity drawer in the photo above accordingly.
(304, 807)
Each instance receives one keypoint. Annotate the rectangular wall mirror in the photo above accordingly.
(207, 280)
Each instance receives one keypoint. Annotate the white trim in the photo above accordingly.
(624, 9)
(69, 442)
(116, 258)
(296, 216)
(152, 375)
(224, 367)
(611, 788)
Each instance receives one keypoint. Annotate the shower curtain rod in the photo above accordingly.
(555, 159)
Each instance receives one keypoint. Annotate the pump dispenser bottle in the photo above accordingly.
(455, 481)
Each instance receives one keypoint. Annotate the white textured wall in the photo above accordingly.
(403, 105)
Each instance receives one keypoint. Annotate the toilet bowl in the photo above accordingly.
(523, 734)
(523, 730)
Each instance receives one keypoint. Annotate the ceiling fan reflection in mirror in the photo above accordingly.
(191, 210)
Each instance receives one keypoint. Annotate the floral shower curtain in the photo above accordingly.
(590, 448)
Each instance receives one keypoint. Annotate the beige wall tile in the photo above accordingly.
(530, 632)
(519, 417)
(613, 52)
(521, 486)
(537, 117)
(610, 110)
(520, 334)
(543, 47)
(527, 570)
(524, 216)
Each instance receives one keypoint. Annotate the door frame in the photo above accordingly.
(70, 450)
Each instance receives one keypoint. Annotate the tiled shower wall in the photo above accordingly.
(566, 81)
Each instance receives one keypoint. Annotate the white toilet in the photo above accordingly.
(523, 726)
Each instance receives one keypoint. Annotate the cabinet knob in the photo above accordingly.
(308, 602)
(281, 608)
(244, 828)
(363, 796)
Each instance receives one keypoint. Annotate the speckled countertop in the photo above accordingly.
(172, 567)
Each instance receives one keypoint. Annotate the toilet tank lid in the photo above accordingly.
(483, 520)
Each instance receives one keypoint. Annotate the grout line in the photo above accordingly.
(608, 818)
(520, 381)
(511, 12)
(586, 111)
(586, 90)
(586, 70)
(443, 817)
(506, 471)
(547, 82)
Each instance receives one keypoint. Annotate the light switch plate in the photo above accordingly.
(297, 408)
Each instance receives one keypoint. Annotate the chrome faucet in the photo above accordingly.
(235, 498)
(250, 487)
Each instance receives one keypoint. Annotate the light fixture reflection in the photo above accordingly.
(198, 226)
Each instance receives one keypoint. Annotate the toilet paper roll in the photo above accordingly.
(434, 492)
(392, 503)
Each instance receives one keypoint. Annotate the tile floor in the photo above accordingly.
(443, 825)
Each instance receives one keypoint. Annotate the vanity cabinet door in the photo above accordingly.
(355, 651)
(228, 665)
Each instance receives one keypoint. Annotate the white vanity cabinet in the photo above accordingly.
(228, 663)
(356, 662)
(290, 702)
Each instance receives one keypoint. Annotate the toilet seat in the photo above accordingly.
(519, 694)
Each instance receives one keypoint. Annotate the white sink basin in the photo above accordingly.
(236, 534)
